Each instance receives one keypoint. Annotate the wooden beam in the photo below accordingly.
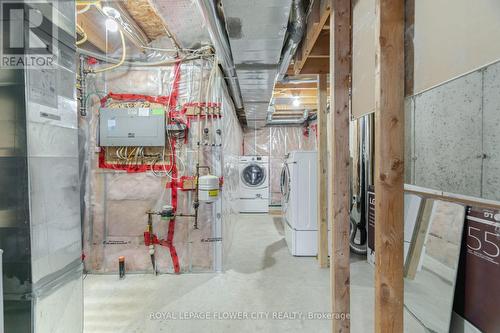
(389, 165)
(316, 66)
(338, 175)
(322, 47)
(418, 238)
(314, 26)
(322, 173)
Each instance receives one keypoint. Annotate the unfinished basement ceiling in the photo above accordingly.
(256, 32)
(149, 19)
(184, 21)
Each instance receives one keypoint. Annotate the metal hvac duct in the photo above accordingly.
(256, 31)
(284, 122)
(299, 79)
(217, 30)
(296, 32)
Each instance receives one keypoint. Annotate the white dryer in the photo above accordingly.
(254, 184)
(299, 202)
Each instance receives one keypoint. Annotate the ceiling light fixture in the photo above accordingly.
(111, 25)
(111, 12)
(296, 101)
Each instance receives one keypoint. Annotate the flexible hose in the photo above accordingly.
(83, 10)
(90, 3)
(84, 38)
(122, 60)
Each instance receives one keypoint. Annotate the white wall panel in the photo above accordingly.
(453, 37)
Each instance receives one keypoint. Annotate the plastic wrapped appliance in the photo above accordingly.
(40, 225)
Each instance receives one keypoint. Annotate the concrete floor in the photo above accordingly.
(261, 278)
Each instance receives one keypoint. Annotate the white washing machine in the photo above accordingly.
(254, 184)
(299, 202)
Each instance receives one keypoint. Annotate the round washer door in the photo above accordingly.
(253, 175)
(285, 183)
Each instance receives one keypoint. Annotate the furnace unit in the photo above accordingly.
(40, 230)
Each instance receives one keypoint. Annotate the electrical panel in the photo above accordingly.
(137, 127)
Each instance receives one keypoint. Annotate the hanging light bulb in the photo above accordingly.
(111, 12)
(111, 25)
(296, 101)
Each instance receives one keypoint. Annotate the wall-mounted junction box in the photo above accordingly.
(144, 127)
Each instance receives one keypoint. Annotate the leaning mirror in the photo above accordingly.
(433, 235)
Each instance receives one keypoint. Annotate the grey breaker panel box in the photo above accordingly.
(132, 127)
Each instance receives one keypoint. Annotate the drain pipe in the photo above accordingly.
(217, 30)
(296, 32)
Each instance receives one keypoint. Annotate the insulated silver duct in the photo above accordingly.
(284, 122)
(298, 79)
(217, 30)
(296, 32)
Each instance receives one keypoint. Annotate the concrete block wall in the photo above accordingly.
(452, 135)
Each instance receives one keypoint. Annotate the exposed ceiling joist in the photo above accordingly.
(316, 66)
(145, 15)
(312, 56)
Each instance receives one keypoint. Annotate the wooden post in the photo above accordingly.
(389, 165)
(338, 176)
(322, 173)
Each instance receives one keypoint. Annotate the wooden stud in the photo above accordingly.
(339, 202)
(322, 173)
(389, 165)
